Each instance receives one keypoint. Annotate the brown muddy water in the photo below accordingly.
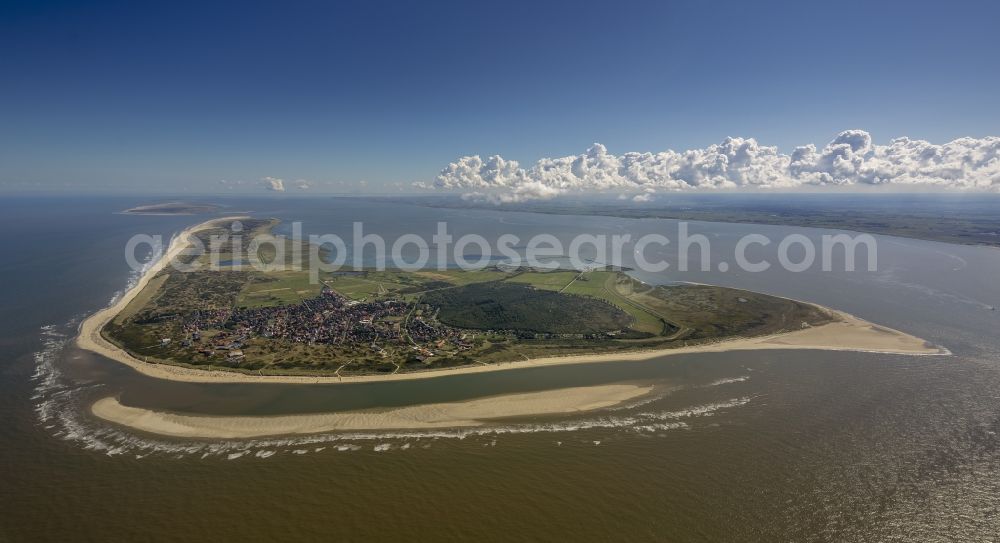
(754, 446)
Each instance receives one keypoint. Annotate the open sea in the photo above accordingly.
(741, 446)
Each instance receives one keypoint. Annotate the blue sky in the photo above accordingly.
(177, 96)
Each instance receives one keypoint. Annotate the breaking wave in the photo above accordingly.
(728, 380)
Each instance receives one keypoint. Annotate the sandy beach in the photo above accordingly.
(438, 415)
(90, 337)
(850, 333)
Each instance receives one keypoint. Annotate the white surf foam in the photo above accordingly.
(728, 380)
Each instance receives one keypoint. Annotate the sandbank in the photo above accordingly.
(438, 415)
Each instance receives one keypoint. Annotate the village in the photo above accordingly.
(329, 319)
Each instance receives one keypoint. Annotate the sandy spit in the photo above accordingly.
(850, 333)
(438, 415)
(90, 337)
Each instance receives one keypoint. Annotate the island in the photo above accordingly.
(234, 324)
(172, 208)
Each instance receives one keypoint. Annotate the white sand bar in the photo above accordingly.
(437, 415)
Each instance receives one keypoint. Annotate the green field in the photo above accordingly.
(460, 277)
(547, 280)
(617, 288)
(277, 288)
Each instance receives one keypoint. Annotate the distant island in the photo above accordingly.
(237, 325)
(173, 208)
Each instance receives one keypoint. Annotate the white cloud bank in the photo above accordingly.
(274, 183)
(850, 159)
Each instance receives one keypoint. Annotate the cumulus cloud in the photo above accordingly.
(302, 184)
(736, 163)
(474, 172)
(532, 190)
(274, 183)
(645, 196)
